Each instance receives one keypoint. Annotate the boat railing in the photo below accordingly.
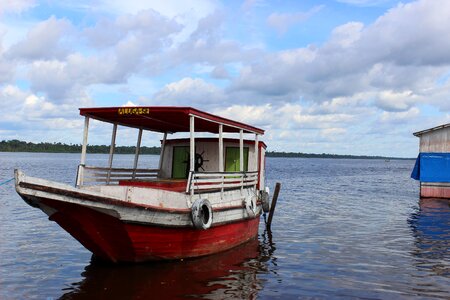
(89, 175)
(208, 181)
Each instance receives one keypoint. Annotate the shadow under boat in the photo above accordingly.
(232, 273)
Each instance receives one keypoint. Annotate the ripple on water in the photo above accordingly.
(342, 229)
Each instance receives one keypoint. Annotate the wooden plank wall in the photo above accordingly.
(435, 141)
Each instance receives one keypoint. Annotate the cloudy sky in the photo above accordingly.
(343, 76)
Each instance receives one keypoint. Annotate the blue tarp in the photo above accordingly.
(432, 167)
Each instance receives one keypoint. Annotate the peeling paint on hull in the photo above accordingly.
(435, 190)
(111, 239)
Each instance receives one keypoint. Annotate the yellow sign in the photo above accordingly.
(133, 111)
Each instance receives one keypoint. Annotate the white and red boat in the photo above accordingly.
(205, 197)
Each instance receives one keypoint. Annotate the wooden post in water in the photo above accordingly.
(273, 204)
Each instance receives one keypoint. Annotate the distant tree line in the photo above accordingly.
(325, 155)
(21, 146)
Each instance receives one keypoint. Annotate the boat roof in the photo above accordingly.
(169, 119)
(419, 133)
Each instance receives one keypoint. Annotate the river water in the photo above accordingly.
(342, 229)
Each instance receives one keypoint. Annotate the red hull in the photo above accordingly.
(435, 191)
(111, 239)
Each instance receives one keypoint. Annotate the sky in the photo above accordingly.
(344, 76)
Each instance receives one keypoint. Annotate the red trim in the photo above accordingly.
(214, 140)
(435, 192)
(178, 186)
(111, 239)
(166, 119)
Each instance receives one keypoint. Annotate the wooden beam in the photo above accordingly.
(221, 166)
(136, 154)
(241, 150)
(256, 152)
(161, 155)
(111, 151)
(191, 152)
(192, 144)
(85, 140)
(273, 204)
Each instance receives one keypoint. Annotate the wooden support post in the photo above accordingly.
(273, 204)
(241, 150)
(111, 152)
(192, 150)
(161, 155)
(80, 174)
(256, 152)
(221, 166)
(241, 157)
(256, 157)
(136, 154)
(85, 140)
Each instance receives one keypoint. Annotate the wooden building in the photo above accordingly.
(433, 163)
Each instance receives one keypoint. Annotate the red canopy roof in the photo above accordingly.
(166, 119)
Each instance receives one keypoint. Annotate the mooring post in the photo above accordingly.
(273, 204)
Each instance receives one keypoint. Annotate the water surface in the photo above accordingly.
(342, 229)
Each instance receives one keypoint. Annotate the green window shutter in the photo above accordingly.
(232, 159)
(180, 162)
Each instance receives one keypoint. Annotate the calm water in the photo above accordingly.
(342, 229)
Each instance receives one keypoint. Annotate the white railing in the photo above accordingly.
(99, 175)
(201, 181)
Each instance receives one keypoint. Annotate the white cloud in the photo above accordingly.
(282, 21)
(362, 82)
(247, 5)
(15, 6)
(250, 114)
(407, 49)
(35, 113)
(190, 92)
(206, 45)
(346, 35)
(11, 95)
(187, 13)
(333, 132)
(64, 76)
(141, 26)
(220, 72)
(395, 101)
(400, 117)
(364, 2)
(42, 41)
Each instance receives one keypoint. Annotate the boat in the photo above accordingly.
(206, 196)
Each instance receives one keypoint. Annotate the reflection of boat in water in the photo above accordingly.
(431, 229)
(230, 274)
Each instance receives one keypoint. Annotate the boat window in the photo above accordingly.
(232, 161)
(180, 163)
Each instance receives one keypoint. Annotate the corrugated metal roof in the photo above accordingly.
(419, 133)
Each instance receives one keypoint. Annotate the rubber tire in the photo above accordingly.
(265, 201)
(250, 206)
(201, 214)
